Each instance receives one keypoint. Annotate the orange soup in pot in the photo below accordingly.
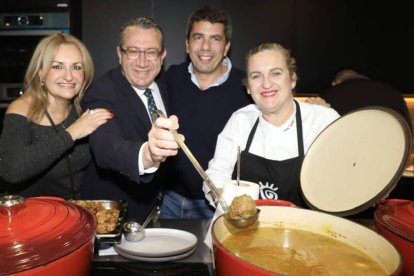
(298, 252)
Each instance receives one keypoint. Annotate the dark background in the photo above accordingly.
(372, 36)
(324, 35)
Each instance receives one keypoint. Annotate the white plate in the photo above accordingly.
(156, 259)
(159, 242)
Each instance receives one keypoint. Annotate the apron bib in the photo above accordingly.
(277, 179)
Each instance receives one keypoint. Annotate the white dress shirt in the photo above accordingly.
(160, 105)
(226, 62)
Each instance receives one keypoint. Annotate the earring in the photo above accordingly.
(42, 83)
(248, 91)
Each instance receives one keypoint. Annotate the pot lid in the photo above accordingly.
(397, 215)
(355, 161)
(37, 231)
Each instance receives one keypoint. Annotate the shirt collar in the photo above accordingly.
(141, 92)
(221, 80)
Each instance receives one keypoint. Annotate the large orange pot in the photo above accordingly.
(45, 236)
(358, 236)
(353, 164)
(394, 219)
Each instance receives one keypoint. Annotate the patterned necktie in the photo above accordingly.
(151, 104)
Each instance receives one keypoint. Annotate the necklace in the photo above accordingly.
(67, 157)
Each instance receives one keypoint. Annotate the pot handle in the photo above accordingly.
(274, 202)
(392, 201)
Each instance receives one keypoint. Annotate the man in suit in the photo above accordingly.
(351, 90)
(129, 151)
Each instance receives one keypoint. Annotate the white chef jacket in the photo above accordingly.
(270, 142)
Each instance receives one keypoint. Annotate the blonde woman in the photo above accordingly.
(43, 149)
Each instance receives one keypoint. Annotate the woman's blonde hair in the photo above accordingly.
(39, 67)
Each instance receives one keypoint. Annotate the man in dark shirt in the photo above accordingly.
(203, 94)
(350, 91)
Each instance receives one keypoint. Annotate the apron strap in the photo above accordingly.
(251, 135)
(299, 130)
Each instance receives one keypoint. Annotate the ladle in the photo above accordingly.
(237, 222)
(133, 231)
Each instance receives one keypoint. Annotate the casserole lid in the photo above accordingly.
(40, 230)
(397, 215)
(355, 161)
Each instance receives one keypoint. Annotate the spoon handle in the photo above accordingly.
(196, 165)
(238, 166)
(153, 216)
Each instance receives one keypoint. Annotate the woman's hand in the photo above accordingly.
(88, 122)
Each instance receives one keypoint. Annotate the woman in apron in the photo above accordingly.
(274, 133)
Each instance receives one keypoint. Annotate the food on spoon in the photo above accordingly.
(242, 207)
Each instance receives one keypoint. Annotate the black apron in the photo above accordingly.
(277, 179)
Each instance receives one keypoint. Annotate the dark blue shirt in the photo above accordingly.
(202, 116)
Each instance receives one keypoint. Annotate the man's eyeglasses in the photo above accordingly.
(133, 54)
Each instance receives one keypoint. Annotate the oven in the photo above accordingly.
(19, 35)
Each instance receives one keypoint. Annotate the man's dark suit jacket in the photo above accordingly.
(115, 145)
(352, 94)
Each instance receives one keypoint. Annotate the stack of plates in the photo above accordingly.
(159, 245)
